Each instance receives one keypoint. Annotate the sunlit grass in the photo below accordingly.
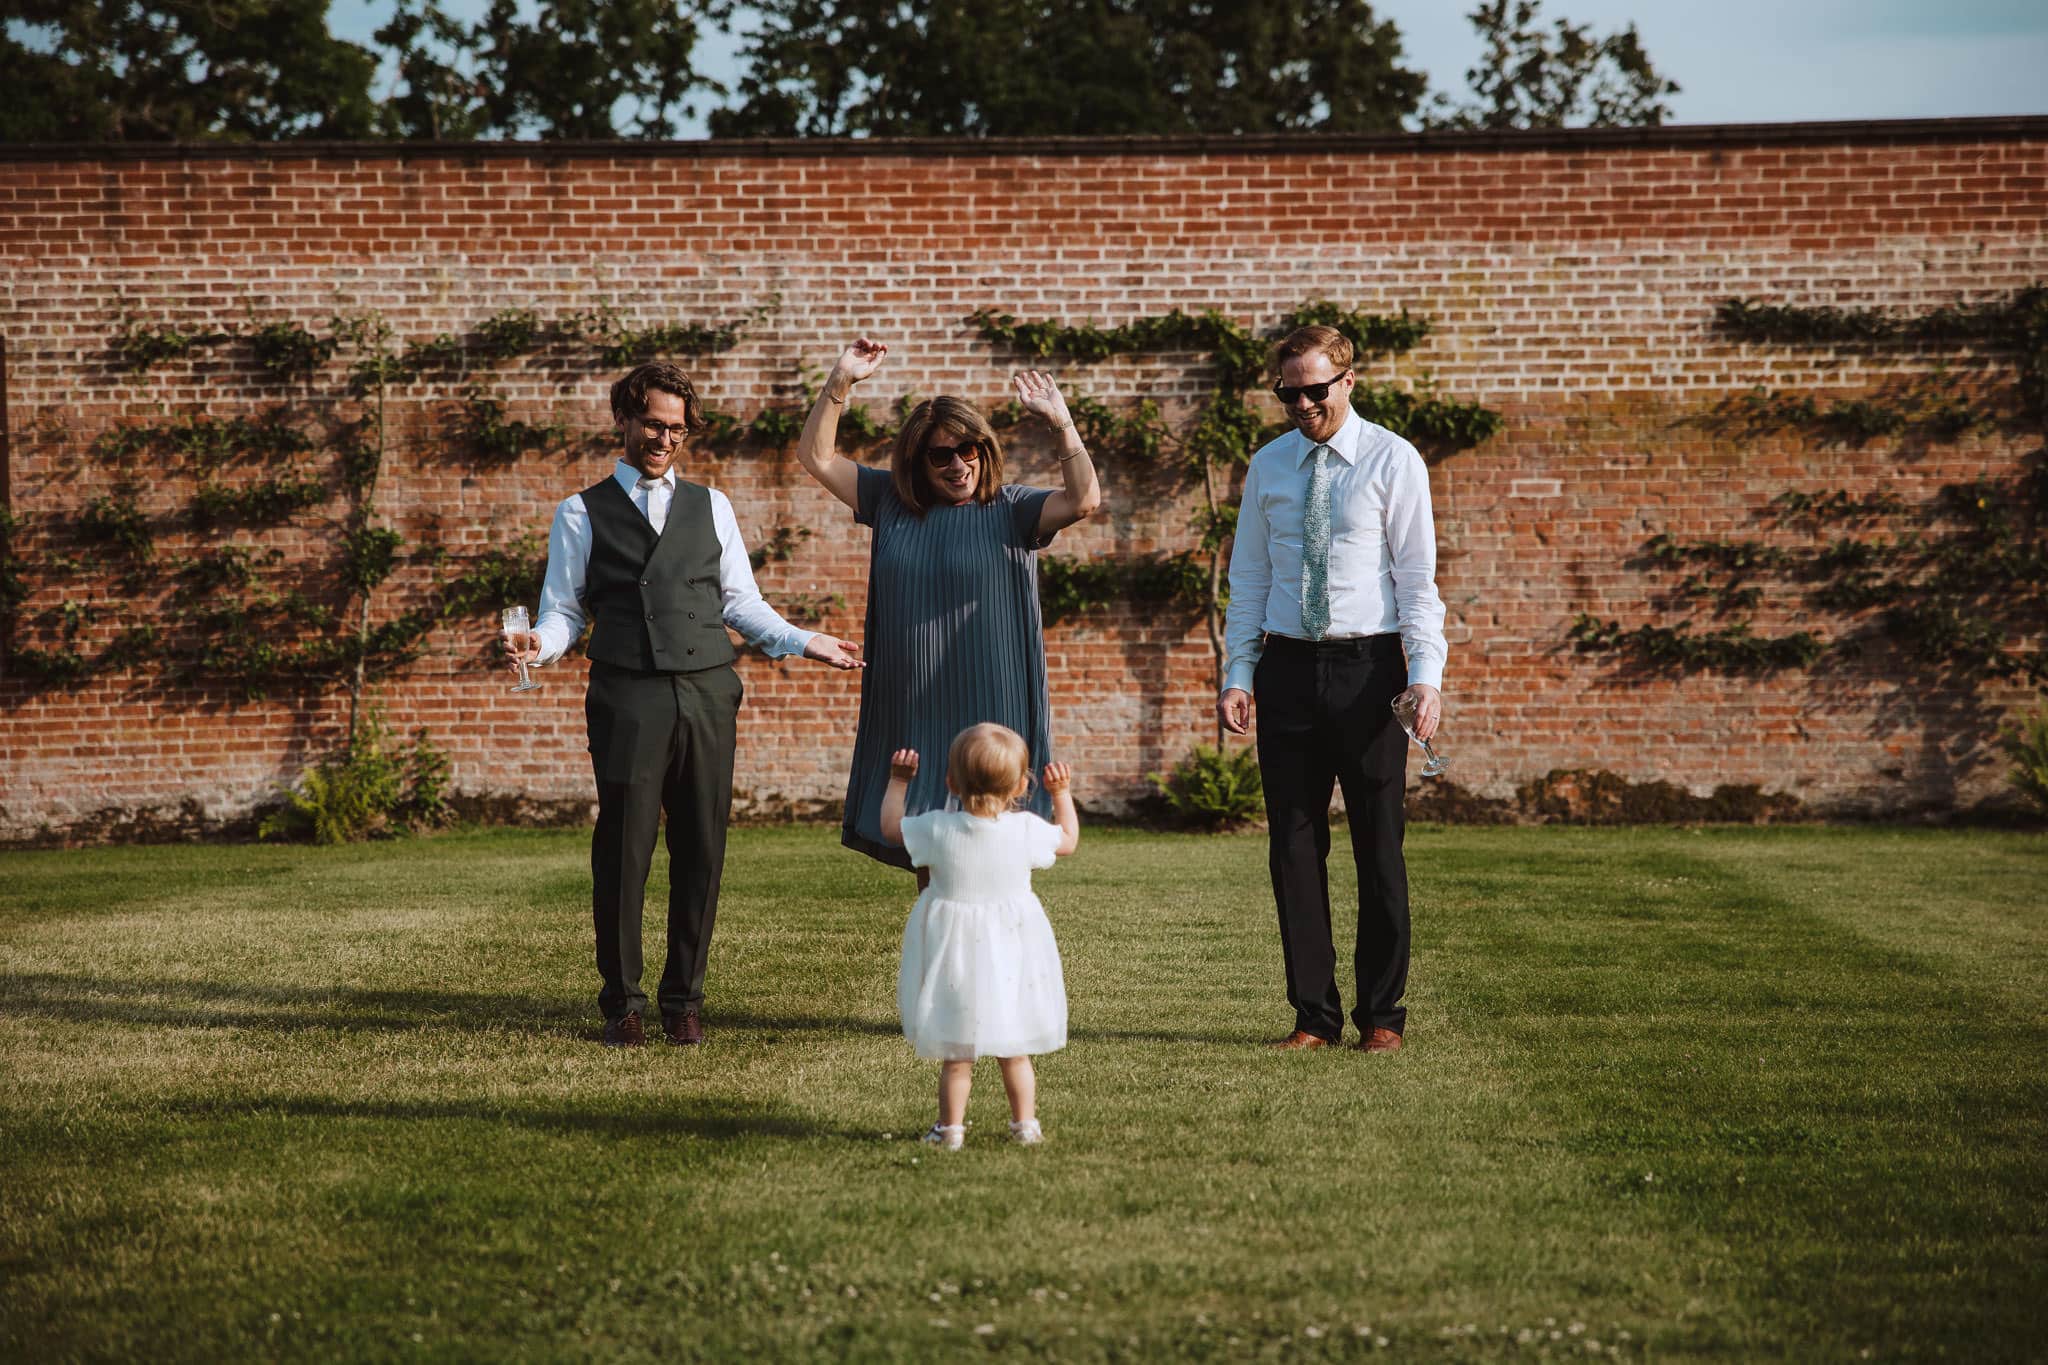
(1669, 1094)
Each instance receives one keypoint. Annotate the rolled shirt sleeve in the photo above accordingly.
(1251, 580)
(1411, 550)
(561, 620)
(759, 624)
(562, 616)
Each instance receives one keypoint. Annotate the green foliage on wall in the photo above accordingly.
(1955, 587)
(1218, 438)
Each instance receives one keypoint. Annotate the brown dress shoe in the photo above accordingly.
(624, 1032)
(1380, 1040)
(682, 1030)
(1298, 1041)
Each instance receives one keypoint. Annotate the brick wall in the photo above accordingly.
(1571, 281)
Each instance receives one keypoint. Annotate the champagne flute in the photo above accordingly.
(516, 629)
(1405, 707)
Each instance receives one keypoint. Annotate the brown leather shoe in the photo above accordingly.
(1380, 1040)
(624, 1032)
(682, 1030)
(1298, 1041)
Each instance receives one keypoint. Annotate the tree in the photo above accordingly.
(1533, 78)
(438, 96)
(566, 73)
(268, 70)
(570, 72)
(180, 70)
(1010, 68)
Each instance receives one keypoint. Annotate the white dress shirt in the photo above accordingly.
(1382, 550)
(569, 540)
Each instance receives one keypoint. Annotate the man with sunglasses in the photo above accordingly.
(1333, 613)
(657, 563)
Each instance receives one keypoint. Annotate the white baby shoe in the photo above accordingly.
(1026, 1131)
(947, 1135)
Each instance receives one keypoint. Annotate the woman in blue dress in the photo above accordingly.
(954, 636)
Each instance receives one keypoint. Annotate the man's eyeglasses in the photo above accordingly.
(1315, 393)
(939, 456)
(663, 431)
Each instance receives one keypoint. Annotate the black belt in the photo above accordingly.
(1347, 644)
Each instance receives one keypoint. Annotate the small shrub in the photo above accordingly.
(1214, 788)
(426, 785)
(2026, 744)
(371, 791)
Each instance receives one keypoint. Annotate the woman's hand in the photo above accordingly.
(855, 363)
(1080, 492)
(1037, 393)
(903, 765)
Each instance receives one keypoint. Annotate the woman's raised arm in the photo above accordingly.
(1080, 492)
(817, 450)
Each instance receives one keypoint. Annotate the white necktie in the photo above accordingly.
(1315, 549)
(655, 498)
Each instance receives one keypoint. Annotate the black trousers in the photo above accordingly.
(659, 742)
(1324, 723)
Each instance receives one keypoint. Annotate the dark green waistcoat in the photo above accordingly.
(654, 602)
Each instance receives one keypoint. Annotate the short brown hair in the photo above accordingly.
(907, 467)
(629, 395)
(985, 765)
(1335, 346)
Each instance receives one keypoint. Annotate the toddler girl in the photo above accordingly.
(981, 973)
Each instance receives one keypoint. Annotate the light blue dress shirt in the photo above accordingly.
(1382, 550)
(569, 539)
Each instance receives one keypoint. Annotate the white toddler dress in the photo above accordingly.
(981, 973)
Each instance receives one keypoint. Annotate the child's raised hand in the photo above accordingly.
(903, 765)
(1056, 777)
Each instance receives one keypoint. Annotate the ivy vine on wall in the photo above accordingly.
(1954, 585)
(1217, 439)
(236, 611)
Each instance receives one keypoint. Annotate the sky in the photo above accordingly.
(1736, 61)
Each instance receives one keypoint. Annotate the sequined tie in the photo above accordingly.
(1315, 549)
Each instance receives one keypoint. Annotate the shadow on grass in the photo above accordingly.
(309, 1009)
(614, 1119)
(720, 1020)
(281, 1009)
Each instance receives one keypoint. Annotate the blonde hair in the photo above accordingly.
(911, 473)
(987, 768)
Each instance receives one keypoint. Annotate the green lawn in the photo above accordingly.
(1669, 1094)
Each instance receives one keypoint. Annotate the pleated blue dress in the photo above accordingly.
(954, 638)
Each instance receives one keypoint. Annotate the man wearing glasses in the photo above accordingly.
(657, 564)
(1333, 613)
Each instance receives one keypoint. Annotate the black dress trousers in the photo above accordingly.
(658, 742)
(1324, 723)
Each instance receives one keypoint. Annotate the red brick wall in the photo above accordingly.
(1571, 281)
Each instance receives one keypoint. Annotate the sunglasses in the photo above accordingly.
(1315, 393)
(938, 457)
